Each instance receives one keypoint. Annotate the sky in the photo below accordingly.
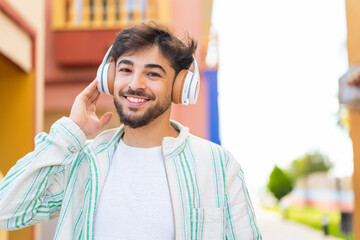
(279, 65)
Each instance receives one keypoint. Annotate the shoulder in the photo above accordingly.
(213, 153)
(210, 150)
(206, 144)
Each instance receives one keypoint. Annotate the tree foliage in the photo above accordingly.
(309, 163)
(279, 183)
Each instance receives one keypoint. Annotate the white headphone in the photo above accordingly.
(185, 89)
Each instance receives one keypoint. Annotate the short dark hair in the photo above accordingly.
(139, 37)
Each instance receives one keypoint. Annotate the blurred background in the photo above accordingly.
(280, 88)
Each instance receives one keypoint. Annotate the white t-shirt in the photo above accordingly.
(135, 200)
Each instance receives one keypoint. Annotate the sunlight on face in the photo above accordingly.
(143, 86)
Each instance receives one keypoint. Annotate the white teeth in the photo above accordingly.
(136, 100)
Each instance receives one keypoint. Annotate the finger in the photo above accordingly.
(96, 98)
(105, 119)
(90, 89)
(92, 95)
(93, 87)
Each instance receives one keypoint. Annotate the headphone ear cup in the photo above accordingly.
(107, 79)
(99, 78)
(194, 89)
(178, 86)
(111, 77)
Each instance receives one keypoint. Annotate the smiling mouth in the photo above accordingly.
(133, 100)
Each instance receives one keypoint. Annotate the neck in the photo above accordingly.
(150, 135)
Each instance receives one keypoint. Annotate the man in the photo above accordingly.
(148, 179)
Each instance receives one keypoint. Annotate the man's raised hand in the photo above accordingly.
(83, 111)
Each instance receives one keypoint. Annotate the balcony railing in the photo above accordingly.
(96, 14)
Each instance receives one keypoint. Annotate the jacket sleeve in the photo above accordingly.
(240, 215)
(33, 189)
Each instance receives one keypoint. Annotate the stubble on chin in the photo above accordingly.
(139, 121)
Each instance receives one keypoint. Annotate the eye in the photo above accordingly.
(124, 70)
(154, 74)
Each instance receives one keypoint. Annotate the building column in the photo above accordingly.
(353, 44)
(354, 118)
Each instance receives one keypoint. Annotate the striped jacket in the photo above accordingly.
(64, 175)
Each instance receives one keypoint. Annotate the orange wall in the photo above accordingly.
(16, 121)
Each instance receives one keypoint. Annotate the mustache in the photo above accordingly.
(140, 93)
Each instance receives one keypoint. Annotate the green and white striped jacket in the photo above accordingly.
(64, 175)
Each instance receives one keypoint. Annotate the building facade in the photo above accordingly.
(323, 192)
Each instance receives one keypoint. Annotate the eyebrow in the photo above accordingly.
(125, 61)
(155, 66)
(151, 65)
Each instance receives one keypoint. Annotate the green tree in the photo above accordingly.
(309, 163)
(279, 183)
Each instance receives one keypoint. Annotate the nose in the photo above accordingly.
(137, 82)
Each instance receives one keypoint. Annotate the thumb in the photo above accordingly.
(105, 119)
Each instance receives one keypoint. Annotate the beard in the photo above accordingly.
(150, 114)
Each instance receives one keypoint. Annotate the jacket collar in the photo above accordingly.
(171, 146)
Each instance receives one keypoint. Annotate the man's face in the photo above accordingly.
(143, 85)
